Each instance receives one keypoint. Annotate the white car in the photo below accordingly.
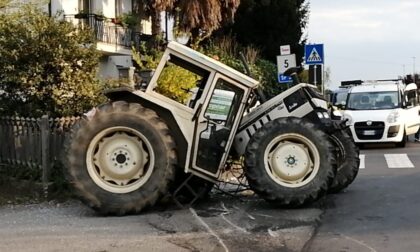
(382, 112)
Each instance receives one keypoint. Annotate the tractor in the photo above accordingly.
(125, 155)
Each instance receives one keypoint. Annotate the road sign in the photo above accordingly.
(284, 78)
(285, 50)
(285, 62)
(314, 54)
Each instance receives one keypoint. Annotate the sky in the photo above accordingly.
(366, 39)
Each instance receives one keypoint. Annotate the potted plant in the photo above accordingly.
(116, 20)
(129, 20)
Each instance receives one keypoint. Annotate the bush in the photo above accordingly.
(227, 50)
(47, 65)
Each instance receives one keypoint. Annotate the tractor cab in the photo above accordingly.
(208, 107)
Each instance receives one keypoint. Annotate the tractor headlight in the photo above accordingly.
(393, 117)
(322, 115)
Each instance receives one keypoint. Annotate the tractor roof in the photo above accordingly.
(213, 64)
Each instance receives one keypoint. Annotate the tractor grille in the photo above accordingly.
(373, 131)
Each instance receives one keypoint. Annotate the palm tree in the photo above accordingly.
(196, 17)
(201, 17)
(152, 8)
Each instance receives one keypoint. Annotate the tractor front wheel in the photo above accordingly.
(290, 162)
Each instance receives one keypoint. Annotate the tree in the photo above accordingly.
(47, 65)
(268, 24)
(153, 9)
(201, 17)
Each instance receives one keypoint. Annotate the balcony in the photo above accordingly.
(112, 38)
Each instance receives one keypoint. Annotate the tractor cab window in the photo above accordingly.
(182, 81)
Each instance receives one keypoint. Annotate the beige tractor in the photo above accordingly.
(144, 144)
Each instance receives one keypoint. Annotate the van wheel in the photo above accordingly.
(403, 141)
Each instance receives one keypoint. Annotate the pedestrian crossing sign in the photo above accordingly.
(314, 54)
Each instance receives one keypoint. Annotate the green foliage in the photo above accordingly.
(128, 20)
(175, 82)
(227, 49)
(4, 3)
(47, 65)
(270, 23)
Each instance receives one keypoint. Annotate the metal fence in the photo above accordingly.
(35, 143)
(106, 30)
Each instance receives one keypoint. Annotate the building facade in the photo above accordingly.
(116, 29)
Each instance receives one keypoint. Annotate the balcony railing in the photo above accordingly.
(107, 30)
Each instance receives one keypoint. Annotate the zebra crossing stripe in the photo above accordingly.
(398, 161)
(362, 161)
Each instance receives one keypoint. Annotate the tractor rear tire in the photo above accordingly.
(290, 162)
(347, 159)
(121, 159)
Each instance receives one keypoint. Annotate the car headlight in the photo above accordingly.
(393, 117)
(337, 113)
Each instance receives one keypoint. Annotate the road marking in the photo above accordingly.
(194, 213)
(359, 242)
(362, 161)
(226, 211)
(398, 161)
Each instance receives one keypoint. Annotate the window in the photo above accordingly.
(85, 6)
(118, 8)
(373, 100)
(182, 81)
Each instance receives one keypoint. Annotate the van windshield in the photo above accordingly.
(373, 101)
(339, 98)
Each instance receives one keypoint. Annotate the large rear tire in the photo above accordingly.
(120, 160)
(347, 159)
(290, 162)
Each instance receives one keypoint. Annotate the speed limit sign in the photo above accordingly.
(285, 62)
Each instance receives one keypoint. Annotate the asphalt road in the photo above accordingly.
(221, 224)
(380, 211)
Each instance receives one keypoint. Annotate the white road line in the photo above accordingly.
(362, 161)
(194, 213)
(398, 161)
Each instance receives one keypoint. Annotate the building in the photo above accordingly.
(114, 37)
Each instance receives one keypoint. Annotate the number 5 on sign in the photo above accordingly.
(285, 62)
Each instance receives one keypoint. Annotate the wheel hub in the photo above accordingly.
(290, 161)
(120, 159)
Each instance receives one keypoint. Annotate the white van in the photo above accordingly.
(382, 112)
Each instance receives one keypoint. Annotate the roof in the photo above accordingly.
(376, 87)
(212, 63)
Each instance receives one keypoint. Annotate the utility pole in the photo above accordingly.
(414, 69)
